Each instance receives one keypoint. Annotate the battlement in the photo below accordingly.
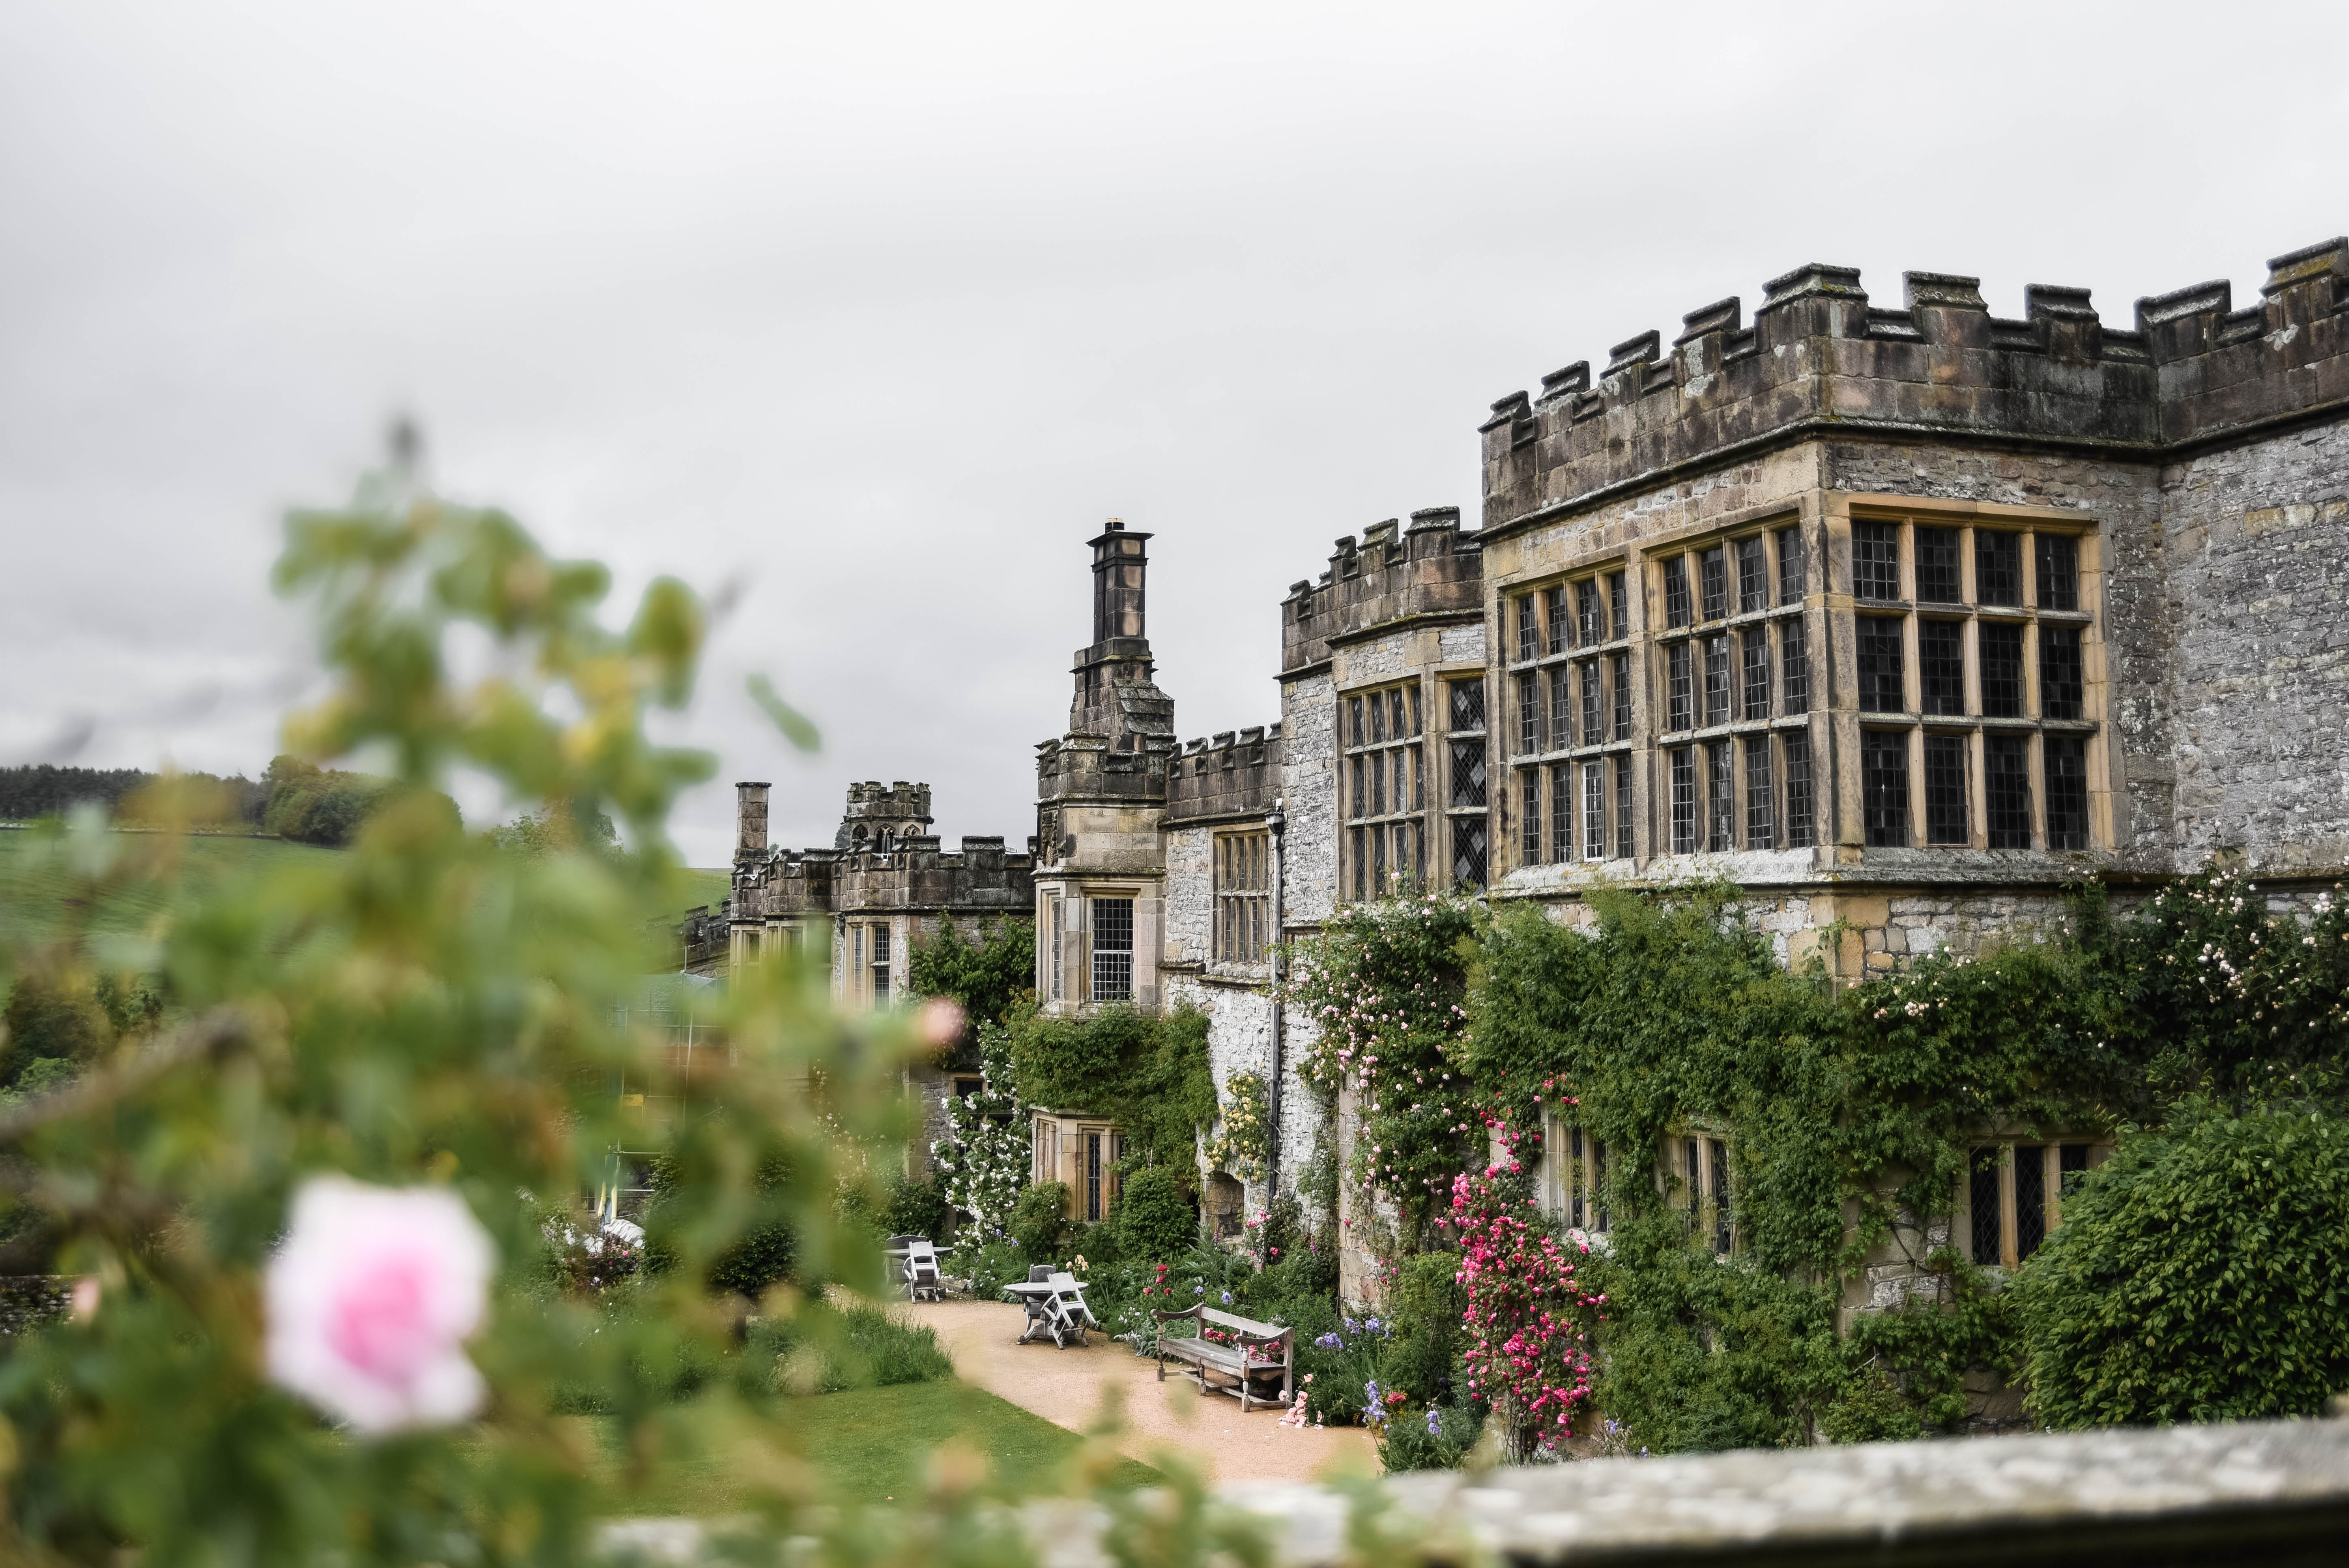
(914, 873)
(1819, 358)
(1236, 774)
(1392, 573)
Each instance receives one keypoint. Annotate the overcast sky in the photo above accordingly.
(879, 311)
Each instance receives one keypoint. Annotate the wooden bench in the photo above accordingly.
(1230, 1366)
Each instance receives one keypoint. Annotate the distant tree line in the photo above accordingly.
(293, 799)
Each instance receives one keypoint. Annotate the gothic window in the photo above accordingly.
(1528, 631)
(1624, 841)
(1684, 771)
(1757, 642)
(1716, 680)
(2006, 790)
(1058, 930)
(1594, 811)
(1618, 603)
(1468, 851)
(1677, 683)
(1881, 679)
(1529, 713)
(1941, 666)
(1243, 895)
(1589, 617)
(1721, 796)
(1561, 812)
(1387, 771)
(1753, 575)
(880, 966)
(1998, 567)
(2060, 683)
(1936, 566)
(2067, 793)
(1467, 704)
(1676, 591)
(2001, 670)
(1883, 786)
(1713, 568)
(1561, 709)
(1945, 789)
(1761, 798)
(1554, 608)
(1620, 670)
(1876, 561)
(1793, 666)
(1112, 968)
(1529, 815)
(1593, 726)
(1790, 567)
(1801, 827)
(2058, 587)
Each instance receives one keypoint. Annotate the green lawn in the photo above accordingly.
(35, 886)
(871, 1445)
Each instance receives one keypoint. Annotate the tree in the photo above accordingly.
(2201, 1274)
(987, 977)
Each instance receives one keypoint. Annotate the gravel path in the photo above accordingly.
(1066, 1386)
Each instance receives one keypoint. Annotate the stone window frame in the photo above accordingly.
(1240, 869)
(1789, 595)
(2032, 530)
(1381, 835)
(1570, 1182)
(1694, 1172)
(1557, 745)
(1990, 1219)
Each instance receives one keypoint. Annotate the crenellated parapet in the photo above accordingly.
(1393, 574)
(1819, 359)
(1234, 774)
(914, 875)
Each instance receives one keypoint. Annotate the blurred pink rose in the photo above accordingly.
(370, 1299)
(942, 1020)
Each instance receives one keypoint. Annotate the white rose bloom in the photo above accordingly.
(370, 1299)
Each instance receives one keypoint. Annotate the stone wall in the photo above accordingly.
(2258, 555)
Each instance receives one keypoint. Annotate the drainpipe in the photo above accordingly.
(1279, 822)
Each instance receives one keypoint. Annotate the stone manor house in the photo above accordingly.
(1900, 617)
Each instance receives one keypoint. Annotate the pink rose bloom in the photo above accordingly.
(942, 1020)
(370, 1299)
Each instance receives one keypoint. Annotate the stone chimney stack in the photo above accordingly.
(751, 821)
(1119, 564)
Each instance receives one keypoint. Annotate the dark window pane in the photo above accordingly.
(2059, 571)
(1721, 796)
(1561, 813)
(2006, 790)
(1936, 566)
(1378, 786)
(1594, 725)
(1398, 720)
(1590, 621)
(1716, 680)
(1945, 789)
(1757, 673)
(1623, 839)
(1467, 704)
(1998, 567)
(2000, 650)
(1530, 801)
(1379, 887)
(1982, 1196)
(1684, 764)
(1359, 794)
(1676, 591)
(1714, 565)
(1794, 665)
(2072, 1159)
(2067, 792)
(2030, 1201)
(1876, 560)
(1467, 773)
(1761, 800)
(1720, 1161)
(1883, 786)
(1418, 759)
(1676, 695)
(1882, 688)
(1362, 867)
(1594, 810)
(2061, 691)
(1378, 714)
(1468, 851)
(1414, 691)
(1529, 715)
(1360, 725)
(1528, 630)
(1620, 674)
(1753, 576)
(1561, 711)
(1801, 828)
(1942, 664)
(1619, 605)
(1790, 567)
(1553, 603)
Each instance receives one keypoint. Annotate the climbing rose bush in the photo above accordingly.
(371, 1300)
(1528, 1321)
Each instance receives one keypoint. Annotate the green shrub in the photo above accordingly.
(1154, 1220)
(2201, 1274)
(989, 977)
(914, 1208)
(1149, 1076)
(1040, 1222)
(864, 1347)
